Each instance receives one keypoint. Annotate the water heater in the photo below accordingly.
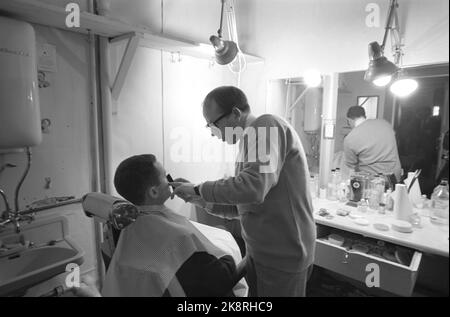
(20, 123)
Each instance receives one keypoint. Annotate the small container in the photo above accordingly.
(381, 226)
(422, 202)
(382, 209)
(362, 222)
(402, 226)
(363, 206)
(416, 220)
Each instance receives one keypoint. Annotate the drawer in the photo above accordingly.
(396, 278)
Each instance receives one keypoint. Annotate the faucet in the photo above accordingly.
(15, 217)
(6, 213)
(5, 216)
(8, 216)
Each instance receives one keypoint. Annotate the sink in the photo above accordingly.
(24, 269)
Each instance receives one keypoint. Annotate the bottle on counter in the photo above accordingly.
(389, 201)
(376, 191)
(382, 205)
(313, 186)
(338, 175)
(349, 189)
(343, 191)
(332, 190)
(439, 212)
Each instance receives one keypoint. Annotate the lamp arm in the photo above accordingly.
(393, 6)
(397, 41)
(219, 32)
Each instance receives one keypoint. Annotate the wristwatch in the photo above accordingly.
(197, 190)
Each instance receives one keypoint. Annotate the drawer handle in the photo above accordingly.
(345, 260)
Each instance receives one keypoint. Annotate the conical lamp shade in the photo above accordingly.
(403, 85)
(226, 51)
(379, 66)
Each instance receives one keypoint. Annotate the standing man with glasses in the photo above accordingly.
(269, 194)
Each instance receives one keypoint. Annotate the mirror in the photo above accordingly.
(419, 120)
(301, 106)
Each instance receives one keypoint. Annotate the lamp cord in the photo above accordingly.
(232, 33)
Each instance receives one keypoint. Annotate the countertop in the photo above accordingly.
(429, 238)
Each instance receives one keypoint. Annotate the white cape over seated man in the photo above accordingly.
(162, 253)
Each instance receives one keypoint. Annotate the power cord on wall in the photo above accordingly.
(239, 65)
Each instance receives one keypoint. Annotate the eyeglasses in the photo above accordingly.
(214, 123)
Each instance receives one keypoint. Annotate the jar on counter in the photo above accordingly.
(363, 206)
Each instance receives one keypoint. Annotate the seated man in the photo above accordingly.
(162, 253)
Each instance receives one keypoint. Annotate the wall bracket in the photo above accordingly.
(127, 58)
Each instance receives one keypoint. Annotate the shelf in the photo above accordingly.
(55, 16)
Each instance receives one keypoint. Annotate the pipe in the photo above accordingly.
(94, 127)
(38, 209)
(286, 104)
(329, 110)
(298, 99)
(22, 179)
(95, 144)
(105, 155)
(106, 115)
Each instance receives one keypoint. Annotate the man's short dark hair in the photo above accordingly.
(355, 112)
(134, 176)
(228, 97)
